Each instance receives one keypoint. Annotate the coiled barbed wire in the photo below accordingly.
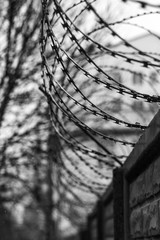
(79, 66)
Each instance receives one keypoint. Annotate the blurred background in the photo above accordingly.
(79, 83)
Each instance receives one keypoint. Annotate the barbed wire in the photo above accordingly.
(77, 64)
(143, 4)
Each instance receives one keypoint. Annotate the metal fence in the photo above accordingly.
(130, 208)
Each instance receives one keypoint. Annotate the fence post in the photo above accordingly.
(84, 234)
(100, 220)
(89, 228)
(118, 204)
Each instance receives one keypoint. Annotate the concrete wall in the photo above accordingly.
(145, 203)
(130, 208)
(142, 186)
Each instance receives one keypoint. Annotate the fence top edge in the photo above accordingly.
(145, 141)
(104, 198)
(107, 193)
